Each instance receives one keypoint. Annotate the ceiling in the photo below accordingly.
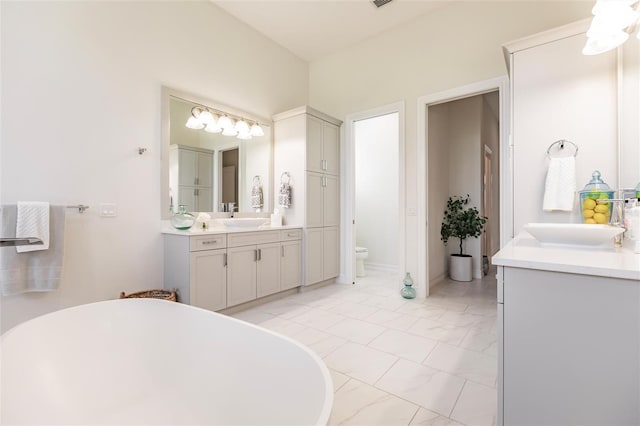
(311, 29)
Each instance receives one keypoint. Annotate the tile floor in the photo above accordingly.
(395, 361)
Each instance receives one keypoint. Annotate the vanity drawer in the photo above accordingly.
(291, 234)
(208, 242)
(252, 238)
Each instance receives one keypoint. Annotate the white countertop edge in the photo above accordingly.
(526, 252)
(167, 229)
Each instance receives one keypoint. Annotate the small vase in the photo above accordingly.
(182, 220)
(408, 292)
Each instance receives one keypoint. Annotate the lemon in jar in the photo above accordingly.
(587, 213)
(588, 204)
(601, 208)
(590, 221)
(600, 218)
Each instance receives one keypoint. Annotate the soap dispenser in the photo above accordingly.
(595, 209)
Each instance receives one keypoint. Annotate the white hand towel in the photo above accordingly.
(33, 221)
(560, 186)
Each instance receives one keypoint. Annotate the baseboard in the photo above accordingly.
(257, 302)
(438, 279)
(381, 267)
(317, 285)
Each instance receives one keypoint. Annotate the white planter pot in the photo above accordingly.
(461, 267)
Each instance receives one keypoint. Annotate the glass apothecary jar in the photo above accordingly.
(408, 292)
(593, 205)
(182, 219)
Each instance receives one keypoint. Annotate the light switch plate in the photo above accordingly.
(108, 210)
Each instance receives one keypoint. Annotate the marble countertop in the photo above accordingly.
(524, 251)
(220, 229)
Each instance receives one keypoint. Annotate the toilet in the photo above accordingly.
(361, 254)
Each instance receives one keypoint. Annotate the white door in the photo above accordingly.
(331, 148)
(241, 274)
(331, 201)
(314, 144)
(187, 165)
(314, 200)
(330, 253)
(208, 279)
(268, 269)
(205, 169)
(313, 255)
(229, 183)
(290, 264)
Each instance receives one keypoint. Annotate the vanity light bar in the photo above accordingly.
(613, 21)
(216, 121)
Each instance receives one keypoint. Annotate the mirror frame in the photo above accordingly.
(165, 135)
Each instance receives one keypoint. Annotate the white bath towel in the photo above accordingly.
(34, 271)
(560, 186)
(33, 221)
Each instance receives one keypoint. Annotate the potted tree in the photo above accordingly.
(461, 222)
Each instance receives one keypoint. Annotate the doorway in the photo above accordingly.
(381, 173)
(432, 257)
(376, 195)
(229, 177)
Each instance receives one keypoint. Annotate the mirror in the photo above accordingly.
(211, 172)
(629, 125)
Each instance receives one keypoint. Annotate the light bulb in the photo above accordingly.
(194, 123)
(213, 128)
(206, 117)
(604, 43)
(229, 131)
(256, 130)
(225, 122)
(244, 135)
(242, 126)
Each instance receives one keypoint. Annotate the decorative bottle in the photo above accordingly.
(182, 220)
(408, 292)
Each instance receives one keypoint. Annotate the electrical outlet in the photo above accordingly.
(108, 210)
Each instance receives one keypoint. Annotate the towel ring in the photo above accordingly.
(257, 180)
(561, 142)
(288, 178)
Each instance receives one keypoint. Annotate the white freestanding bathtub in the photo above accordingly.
(149, 361)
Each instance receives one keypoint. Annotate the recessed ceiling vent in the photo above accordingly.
(379, 3)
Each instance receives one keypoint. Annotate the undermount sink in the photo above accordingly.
(573, 233)
(244, 222)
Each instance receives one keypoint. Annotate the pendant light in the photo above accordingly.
(256, 130)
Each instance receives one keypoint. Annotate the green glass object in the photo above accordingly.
(182, 220)
(408, 292)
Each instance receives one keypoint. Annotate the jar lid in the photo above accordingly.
(596, 183)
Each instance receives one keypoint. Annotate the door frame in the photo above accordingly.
(502, 85)
(347, 189)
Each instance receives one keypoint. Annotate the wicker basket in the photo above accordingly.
(154, 294)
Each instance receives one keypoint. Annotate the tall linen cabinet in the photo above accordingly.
(307, 157)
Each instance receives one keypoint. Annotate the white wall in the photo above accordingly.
(438, 169)
(455, 45)
(490, 136)
(81, 92)
(376, 147)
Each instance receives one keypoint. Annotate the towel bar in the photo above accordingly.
(12, 242)
(81, 208)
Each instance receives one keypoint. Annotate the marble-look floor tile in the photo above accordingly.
(485, 309)
(481, 341)
(386, 302)
(282, 326)
(353, 310)
(421, 310)
(363, 363)
(338, 379)
(358, 403)
(425, 417)
(355, 330)
(318, 341)
(471, 365)
(477, 405)
(464, 319)
(438, 331)
(432, 389)
(405, 345)
(318, 318)
(392, 319)
(253, 316)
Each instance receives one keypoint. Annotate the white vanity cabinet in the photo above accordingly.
(191, 180)
(307, 147)
(217, 270)
(568, 335)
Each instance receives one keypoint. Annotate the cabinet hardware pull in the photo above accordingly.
(282, 251)
(291, 235)
(195, 180)
(209, 242)
(259, 254)
(225, 260)
(324, 164)
(255, 255)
